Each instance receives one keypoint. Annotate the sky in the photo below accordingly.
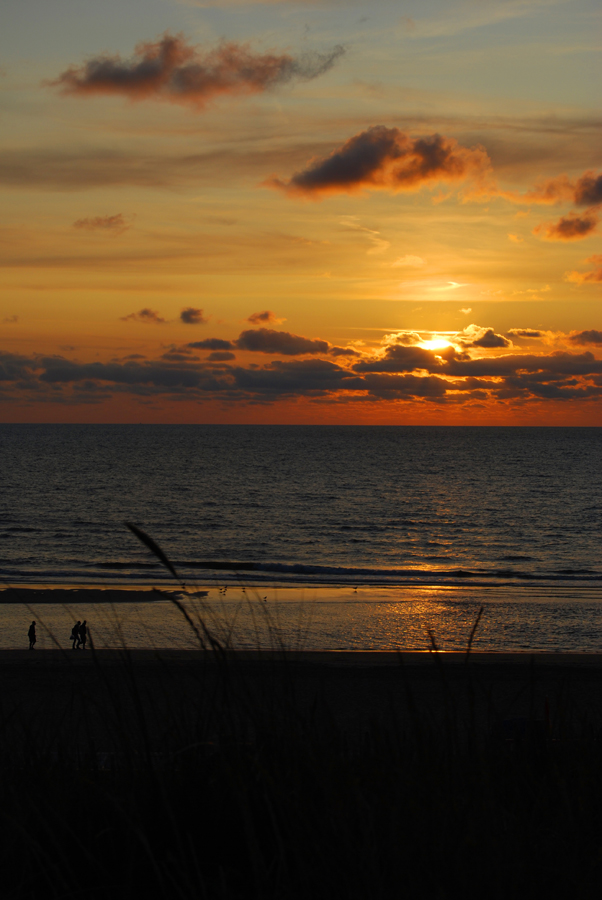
(285, 212)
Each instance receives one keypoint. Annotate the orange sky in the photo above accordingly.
(301, 213)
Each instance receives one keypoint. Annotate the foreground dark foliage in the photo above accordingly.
(254, 795)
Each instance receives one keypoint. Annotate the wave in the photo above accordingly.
(215, 571)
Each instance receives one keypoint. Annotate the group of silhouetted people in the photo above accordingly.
(79, 635)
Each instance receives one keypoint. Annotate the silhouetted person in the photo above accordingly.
(31, 634)
(83, 634)
(75, 635)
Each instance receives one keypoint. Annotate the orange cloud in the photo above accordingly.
(387, 158)
(147, 316)
(572, 227)
(594, 276)
(171, 69)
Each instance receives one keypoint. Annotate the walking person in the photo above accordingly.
(83, 634)
(31, 634)
(75, 635)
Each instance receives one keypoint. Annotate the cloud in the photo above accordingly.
(172, 69)
(585, 191)
(572, 227)
(343, 351)
(399, 358)
(588, 190)
(466, 310)
(148, 316)
(10, 320)
(382, 157)
(265, 317)
(407, 338)
(594, 276)
(525, 333)
(586, 337)
(192, 316)
(265, 340)
(115, 224)
(379, 244)
(515, 238)
(221, 356)
(410, 261)
(212, 344)
(485, 338)
(398, 372)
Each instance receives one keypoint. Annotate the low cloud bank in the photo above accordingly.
(471, 369)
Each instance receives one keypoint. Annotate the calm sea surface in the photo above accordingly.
(418, 516)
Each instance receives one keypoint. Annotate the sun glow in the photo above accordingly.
(435, 344)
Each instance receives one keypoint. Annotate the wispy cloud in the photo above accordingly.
(594, 276)
(172, 69)
(413, 262)
(114, 224)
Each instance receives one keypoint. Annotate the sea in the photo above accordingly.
(309, 537)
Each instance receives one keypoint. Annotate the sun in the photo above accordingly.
(435, 344)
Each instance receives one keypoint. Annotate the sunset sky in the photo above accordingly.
(301, 212)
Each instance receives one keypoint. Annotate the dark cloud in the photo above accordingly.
(10, 320)
(588, 190)
(115, 224)
(212, 344)
(148, 316)
(343, 351)
(460, 366)
(399, 358)
(490, 341)
(266, 317)
(63, 371)
(387, 158)
(266, 340)
(176, 356)
(572, 227)
(192, 316)
(174, 70)
(587, 337)
(525, 333)
(400, 386)
(221, 356)
(478, 336)
(307, 376)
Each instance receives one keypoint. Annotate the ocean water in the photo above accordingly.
(449, 513)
